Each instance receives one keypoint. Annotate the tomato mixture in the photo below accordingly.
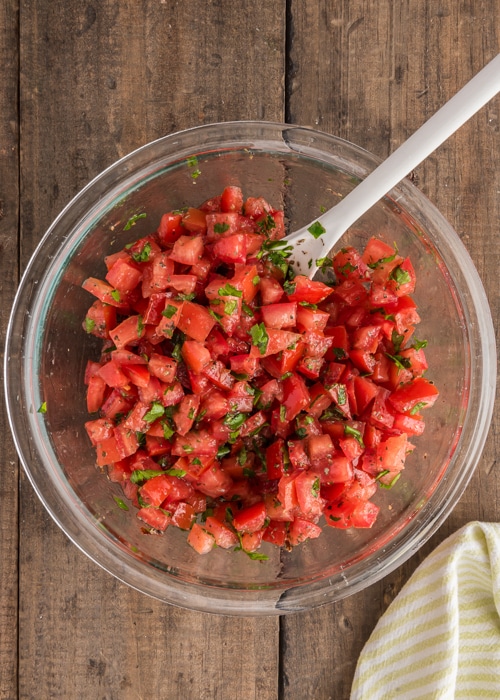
(239, 402)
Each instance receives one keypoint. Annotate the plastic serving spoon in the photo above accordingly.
(315, 240)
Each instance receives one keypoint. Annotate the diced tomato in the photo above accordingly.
(200, 539)
(238, 404)
(195, 321)
(302, 530)
(250, 519)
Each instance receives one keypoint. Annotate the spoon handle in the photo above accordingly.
(474, 95)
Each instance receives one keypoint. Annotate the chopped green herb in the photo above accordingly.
(399, 361)
(316, 229)
(349, 430)
(230, 307)
(176, 472)
(185, 297)
(143, 255)
(156, 411)
(235, 420)
(418, 407)
(323, 263)
(43, 408)
(169, 311)
(192, 162)
(221, 228)
(188, 449)
(223, 451)
(196, 461)
(89, 324)
(140, 475)
(120, 503)
(316, 487)
(266, 224)
(397, 340)
(382, 261)
(247, 309)
(229, 291)
(381, 474)
(140, 326)
(133, 220)
(289, 288)
(308, 305)
(282, 414)
(196, 174)
(248, 473)
(259, 337)
(242, 456)
(168, 431)
(400, 276)
(419, 344)
(391, 484)
(256, 279)
(116, 295)
(191, 414)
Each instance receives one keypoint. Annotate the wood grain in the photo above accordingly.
(9, 213)
(372, 73)
(97, 81)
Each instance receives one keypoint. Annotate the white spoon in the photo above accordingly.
(307, 248)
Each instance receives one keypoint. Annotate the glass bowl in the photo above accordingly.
(302, 171)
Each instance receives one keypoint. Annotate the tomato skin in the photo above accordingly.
(200, 539)
(250, 519)
(195, 321)
(302, 530)
(308, 290)
(296, 397)
(418, 391)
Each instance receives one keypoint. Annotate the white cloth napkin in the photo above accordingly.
(440, 637)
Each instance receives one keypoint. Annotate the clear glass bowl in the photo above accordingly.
(300, 170)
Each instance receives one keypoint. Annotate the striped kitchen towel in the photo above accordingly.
(440, 637)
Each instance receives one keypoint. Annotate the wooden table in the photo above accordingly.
(83, 83)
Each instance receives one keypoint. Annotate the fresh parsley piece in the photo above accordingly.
(176, 472)
(89, 324)
(289, 288)
(120, 503)
(143, 255)
(221, 228)
(349, 430)
(391, 484)
(316, 229)
(247, 310)
(168, 431)
(397, 340)
(400, 362)
(156, 411)
(418, 407)
(192, 162)
(400, 276)
(382, 261)
(230, 307)
(140, 475)
(140, 326)
(43, 408)
(266, 224)
(169, 311)
(235, 420)
(223, 451)
(133, 220)
(324, 263)
(256, 280)
(259, 337)
(419, 344)
(116, 295)
(229, 291)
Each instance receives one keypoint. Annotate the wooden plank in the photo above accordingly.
(372, 73)
(9, 213)
(98, 80)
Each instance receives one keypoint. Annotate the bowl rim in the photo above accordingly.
(295, 598)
